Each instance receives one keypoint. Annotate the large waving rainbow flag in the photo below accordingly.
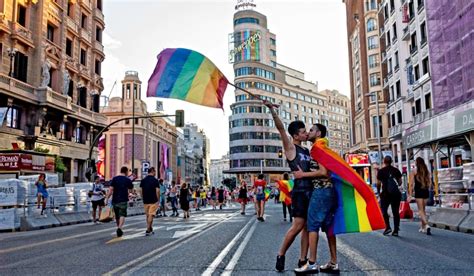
(189, 76)
(285, 187)
(358, 209)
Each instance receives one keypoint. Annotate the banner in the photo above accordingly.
(8, 193)
(7, 219)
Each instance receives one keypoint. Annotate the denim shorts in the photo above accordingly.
(260, 197)
(321, 210)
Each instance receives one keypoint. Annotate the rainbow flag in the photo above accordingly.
(267, 193)
(189, 76)
(358, 209)
(285, 187)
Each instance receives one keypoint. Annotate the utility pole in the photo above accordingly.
(133, 129)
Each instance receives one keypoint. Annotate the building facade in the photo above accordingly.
(366, 72)
(339, 121)
(218, 166)
(198, 161)
(254, 140)
(50, 78)
(154, 141)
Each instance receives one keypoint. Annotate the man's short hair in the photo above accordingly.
(387, 160)
(261, 176)
(160, 181)
(294, 127)
(151, 170)
(322, 128)
(124, 170)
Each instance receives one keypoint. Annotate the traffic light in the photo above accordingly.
(280, 154)
(179, 118)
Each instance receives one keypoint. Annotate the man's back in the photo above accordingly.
(385, 173)
(121, 185)
(149, 185)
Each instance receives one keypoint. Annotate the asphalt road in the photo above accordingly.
(215, 242)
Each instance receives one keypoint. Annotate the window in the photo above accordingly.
(273, 53)
(98, 34)
(246, 20)
(84, 21)
(68, 47)
(398, 89)
(371, 25)
(83, 57)
(417, 72)
(413, 43)
(377, 125)
(388, 38)
(97, 67)
(423, 32)
(21, 16)
(397, 64)
(13, 117)
(399, 116)
(411, 10)
(78, 135)
(373, 61)
(394, 31)
(393, 119)
(392, 6)
(95, 102)
(99, 4)
(372, 42)
(390, 66)
(82, 97)
(70, 9)
(374, 79)
(418, 106)
(127, 121)
(426, 65)
(272, 41)
(428, 101)
(70, 91)
(50, 32)
(20, 67)
(371, 5)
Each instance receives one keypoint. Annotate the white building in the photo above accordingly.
(216, 171)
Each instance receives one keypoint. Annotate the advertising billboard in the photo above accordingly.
(244, 46)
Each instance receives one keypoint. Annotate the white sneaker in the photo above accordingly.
(308, 269)
(329, 268)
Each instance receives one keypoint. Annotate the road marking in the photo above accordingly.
(60, 239)
(212, 267)
(138, 233)
(235, 259)
(361, 261)
(154, 255)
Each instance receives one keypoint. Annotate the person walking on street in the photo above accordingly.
(184, 195)
(422, 180)
(120, 187)
(259, 188)
(321, 210)
(174, 198)
(41, 192)
(298, 158)
(151, 195)
(389, 179)
(162, 207)
(220, 196)
(97, 199)
(213, 197)
(243, 197)
(282, 200)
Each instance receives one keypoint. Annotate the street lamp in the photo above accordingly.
(375, 94)
(11, 53)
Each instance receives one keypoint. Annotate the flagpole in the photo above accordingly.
(250, 93)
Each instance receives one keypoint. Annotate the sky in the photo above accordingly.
(310, 35)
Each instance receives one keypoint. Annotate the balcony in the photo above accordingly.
(86, 35)
(23, 35)
(410, 95)
(71, 24)
(98, 47)
(389, 74)
(385, 83)
(413, 50)
(421, 117)
(384, 57)
(423, 42)
(89, 116)
(17, 89)
(394, 40)
(86, 4)
(396, 68)
(395, 131)
(4, 25)
(46, 96)
(99, 15)
(406, 34)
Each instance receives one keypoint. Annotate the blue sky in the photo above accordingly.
(311, 37)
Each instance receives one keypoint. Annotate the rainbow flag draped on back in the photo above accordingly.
(189, 76)
(267, 193)
(285, 187)
(358, 209)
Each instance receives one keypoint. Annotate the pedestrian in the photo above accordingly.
(174, 198)
(203, 196)
(259, 189)
(298, 158)
(184, 196)
(389, 179)
(97, 198)
(220, 196)
(213, 197)
(41, 192)
(120, 187)
(276, 195)
(243, 197)
(197, 196)
(422, 184)
(282, 200)
(162, 208)
(321, 210)
(151, 195)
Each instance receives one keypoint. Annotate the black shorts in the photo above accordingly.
(422, 193)
(100, 203)
(300, 203)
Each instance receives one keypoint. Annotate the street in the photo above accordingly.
(215, 242)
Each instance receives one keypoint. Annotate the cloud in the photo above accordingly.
(111, 43)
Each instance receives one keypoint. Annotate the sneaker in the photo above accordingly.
(242, 213)
(280, 264)
(428, 231)
(395, 233)
(301, 263)
(307, 269)
(119, 232)
(165, 215)
(387, 231)
(329, 268)
(284, 219)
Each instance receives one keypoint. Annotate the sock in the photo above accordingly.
(311, 263)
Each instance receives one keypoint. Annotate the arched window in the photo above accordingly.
(371, 24)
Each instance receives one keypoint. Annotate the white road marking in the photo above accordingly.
(212, 267)
(361, 261)
(157, 253)
(235, 259)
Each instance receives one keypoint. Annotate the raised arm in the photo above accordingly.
(290, 150)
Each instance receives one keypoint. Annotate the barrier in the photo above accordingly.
(467, 224)
(448, 218)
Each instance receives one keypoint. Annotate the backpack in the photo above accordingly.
(392, 185)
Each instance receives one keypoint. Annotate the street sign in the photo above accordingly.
(145, 167)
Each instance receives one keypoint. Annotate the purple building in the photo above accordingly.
(451, 39)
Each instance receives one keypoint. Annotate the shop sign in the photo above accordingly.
(245, 4)
(7, 219)
(418, 136)
(357, 159)
(23, 161)
(464, 121)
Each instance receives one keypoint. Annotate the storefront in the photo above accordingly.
(360, 163)
(17, 162)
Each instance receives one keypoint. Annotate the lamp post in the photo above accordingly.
(133, 130)
(11, 53)
(375, 94)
